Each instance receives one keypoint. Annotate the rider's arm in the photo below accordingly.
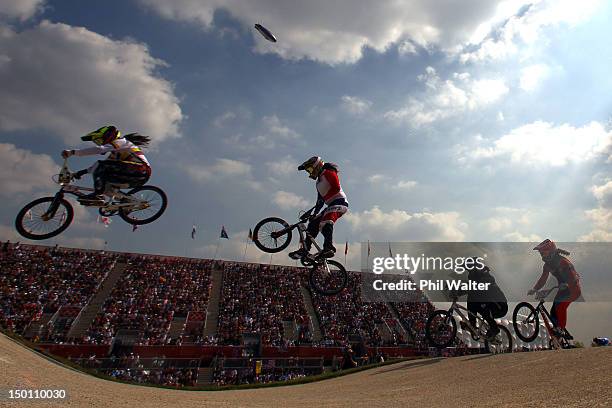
(542, 281)
(90, 151)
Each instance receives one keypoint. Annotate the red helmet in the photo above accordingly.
(547, 249)
(545, 246)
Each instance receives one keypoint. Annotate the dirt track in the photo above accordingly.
(580, 377)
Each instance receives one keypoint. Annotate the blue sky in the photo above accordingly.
(488, 121)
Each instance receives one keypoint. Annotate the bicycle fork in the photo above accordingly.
(50, 213)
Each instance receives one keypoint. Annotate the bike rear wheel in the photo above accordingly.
(503, 343)
(264, 238)
(328, 277)
(441, 329)
(526, 322)
(155, 203)
(33, 222)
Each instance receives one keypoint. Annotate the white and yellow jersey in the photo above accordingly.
(121, 150)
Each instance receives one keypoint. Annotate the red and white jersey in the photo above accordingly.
(328, 186)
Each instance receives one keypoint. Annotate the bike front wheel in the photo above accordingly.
(328, 277)
(526, 322)
(152, 203)
(38, 220)
(265, 238)
(441, 329)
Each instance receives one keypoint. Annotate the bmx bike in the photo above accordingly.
(47, 217)
(273, 234)
(441, 329)
(526, 322)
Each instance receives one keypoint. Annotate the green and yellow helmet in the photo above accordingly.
(102, 136)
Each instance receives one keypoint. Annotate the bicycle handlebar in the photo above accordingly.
(543, 294)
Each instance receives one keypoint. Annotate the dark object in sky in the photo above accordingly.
(265, 32)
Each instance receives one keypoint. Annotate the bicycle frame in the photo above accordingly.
(457, 308)
(113, 192)
(546, 316)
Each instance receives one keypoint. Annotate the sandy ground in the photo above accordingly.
(581, 377)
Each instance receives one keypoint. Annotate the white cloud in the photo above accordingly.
(20, 9)
(546, 144)
(518, 26)
(519, 237)
(355, 105)
(601, 217)
(603, 194)
(406, 48)
(283, 167)
(287, 200)
(336, 32)
(446, 98)
(22, 171)
(275, 132)
(533, 75)
(506, 218)
(68, 80)
(406, 184)
(399, 225)
(221, 120)
(377, 178)
(222, 168)
(9, 233)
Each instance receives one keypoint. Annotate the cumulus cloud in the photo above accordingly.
(336, 32)
(355, 105)
(22, 171)
(506, 218)
(406, 184)
(9, 233)
(286, 200)
(443, 99)
(20, 9)
(223, 167)
(519, 237)
(600, 217)
(518, 26)
(275, 132)
(283, 167)
(533, 75)
(67, 80)
(542, 143)
(399, 225)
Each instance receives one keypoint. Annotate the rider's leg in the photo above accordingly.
(562, 301)
(99, 172)
(330, 216)
(473, 308)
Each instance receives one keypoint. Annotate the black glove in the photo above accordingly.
(79, 174)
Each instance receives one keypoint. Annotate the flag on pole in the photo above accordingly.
(390, 253)
(346, 248)
(368, 248)
(250, 235)
(193, 231)
(223, 233)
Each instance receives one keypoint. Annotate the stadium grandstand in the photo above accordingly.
(189, 322)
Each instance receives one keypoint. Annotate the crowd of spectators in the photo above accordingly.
(34, 281)
(347, 314)
(151, 292)
(257, 298)
(174, 377)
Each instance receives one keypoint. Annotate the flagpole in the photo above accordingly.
(217, 248)
(246, 245)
